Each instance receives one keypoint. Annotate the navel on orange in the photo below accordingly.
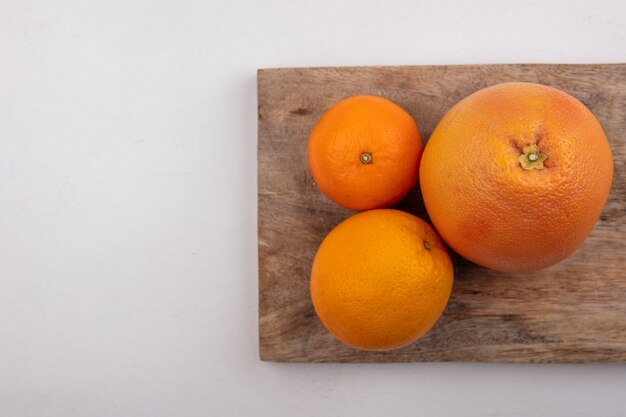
(381, 279)
(515, 176)
(364, 152)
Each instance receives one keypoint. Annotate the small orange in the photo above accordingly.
(515, 176)
(380, 279)
(364, 152)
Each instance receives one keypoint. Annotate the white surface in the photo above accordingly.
(128, 270)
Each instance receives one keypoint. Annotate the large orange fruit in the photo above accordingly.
(515, 176)
(380, 279)
(364, 152)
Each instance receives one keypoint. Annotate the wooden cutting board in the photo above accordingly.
(572, 312)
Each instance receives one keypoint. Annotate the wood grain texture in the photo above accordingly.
(572, 312)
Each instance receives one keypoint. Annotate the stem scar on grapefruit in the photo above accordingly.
(515, 176)
(364, 153)
(381, 279)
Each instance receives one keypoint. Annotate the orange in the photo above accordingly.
(380, 279)
(364, 153)
(515, 176)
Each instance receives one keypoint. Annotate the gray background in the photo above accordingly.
(128, 270)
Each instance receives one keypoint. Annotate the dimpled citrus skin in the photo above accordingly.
(374, 283)
(365, 124)
(491, 210)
